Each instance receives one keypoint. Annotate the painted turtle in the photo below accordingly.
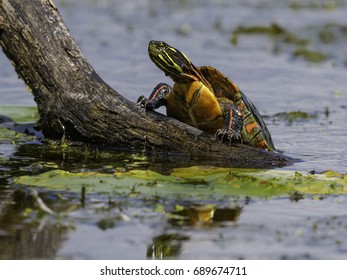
(205, 98)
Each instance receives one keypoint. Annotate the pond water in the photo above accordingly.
(303, 101)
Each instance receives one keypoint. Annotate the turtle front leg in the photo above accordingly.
(156, 99)
(233, 122)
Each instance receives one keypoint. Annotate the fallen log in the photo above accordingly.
(75, 104)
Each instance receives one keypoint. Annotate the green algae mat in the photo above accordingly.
(199, 182)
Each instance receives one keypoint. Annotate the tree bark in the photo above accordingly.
(74, 103)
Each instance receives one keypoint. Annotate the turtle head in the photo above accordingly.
(173, 62)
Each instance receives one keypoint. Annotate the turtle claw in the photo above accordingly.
(225, 134)
(144, 103)
(232, 126)
(156, 99)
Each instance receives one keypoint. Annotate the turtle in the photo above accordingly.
(205, 98)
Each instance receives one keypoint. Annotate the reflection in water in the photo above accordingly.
(205, 216)
(166, 246)
(31, 236)
(171, 245)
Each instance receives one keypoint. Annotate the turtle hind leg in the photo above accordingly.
(233, 123)
(156, 99)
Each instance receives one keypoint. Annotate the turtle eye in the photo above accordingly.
(161, 45)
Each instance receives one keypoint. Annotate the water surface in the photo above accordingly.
(114, 37)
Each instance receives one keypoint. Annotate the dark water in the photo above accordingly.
(114, 36)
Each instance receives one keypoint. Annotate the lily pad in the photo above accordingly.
(196, 182)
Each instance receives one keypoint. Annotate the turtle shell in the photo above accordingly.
(254, 131)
